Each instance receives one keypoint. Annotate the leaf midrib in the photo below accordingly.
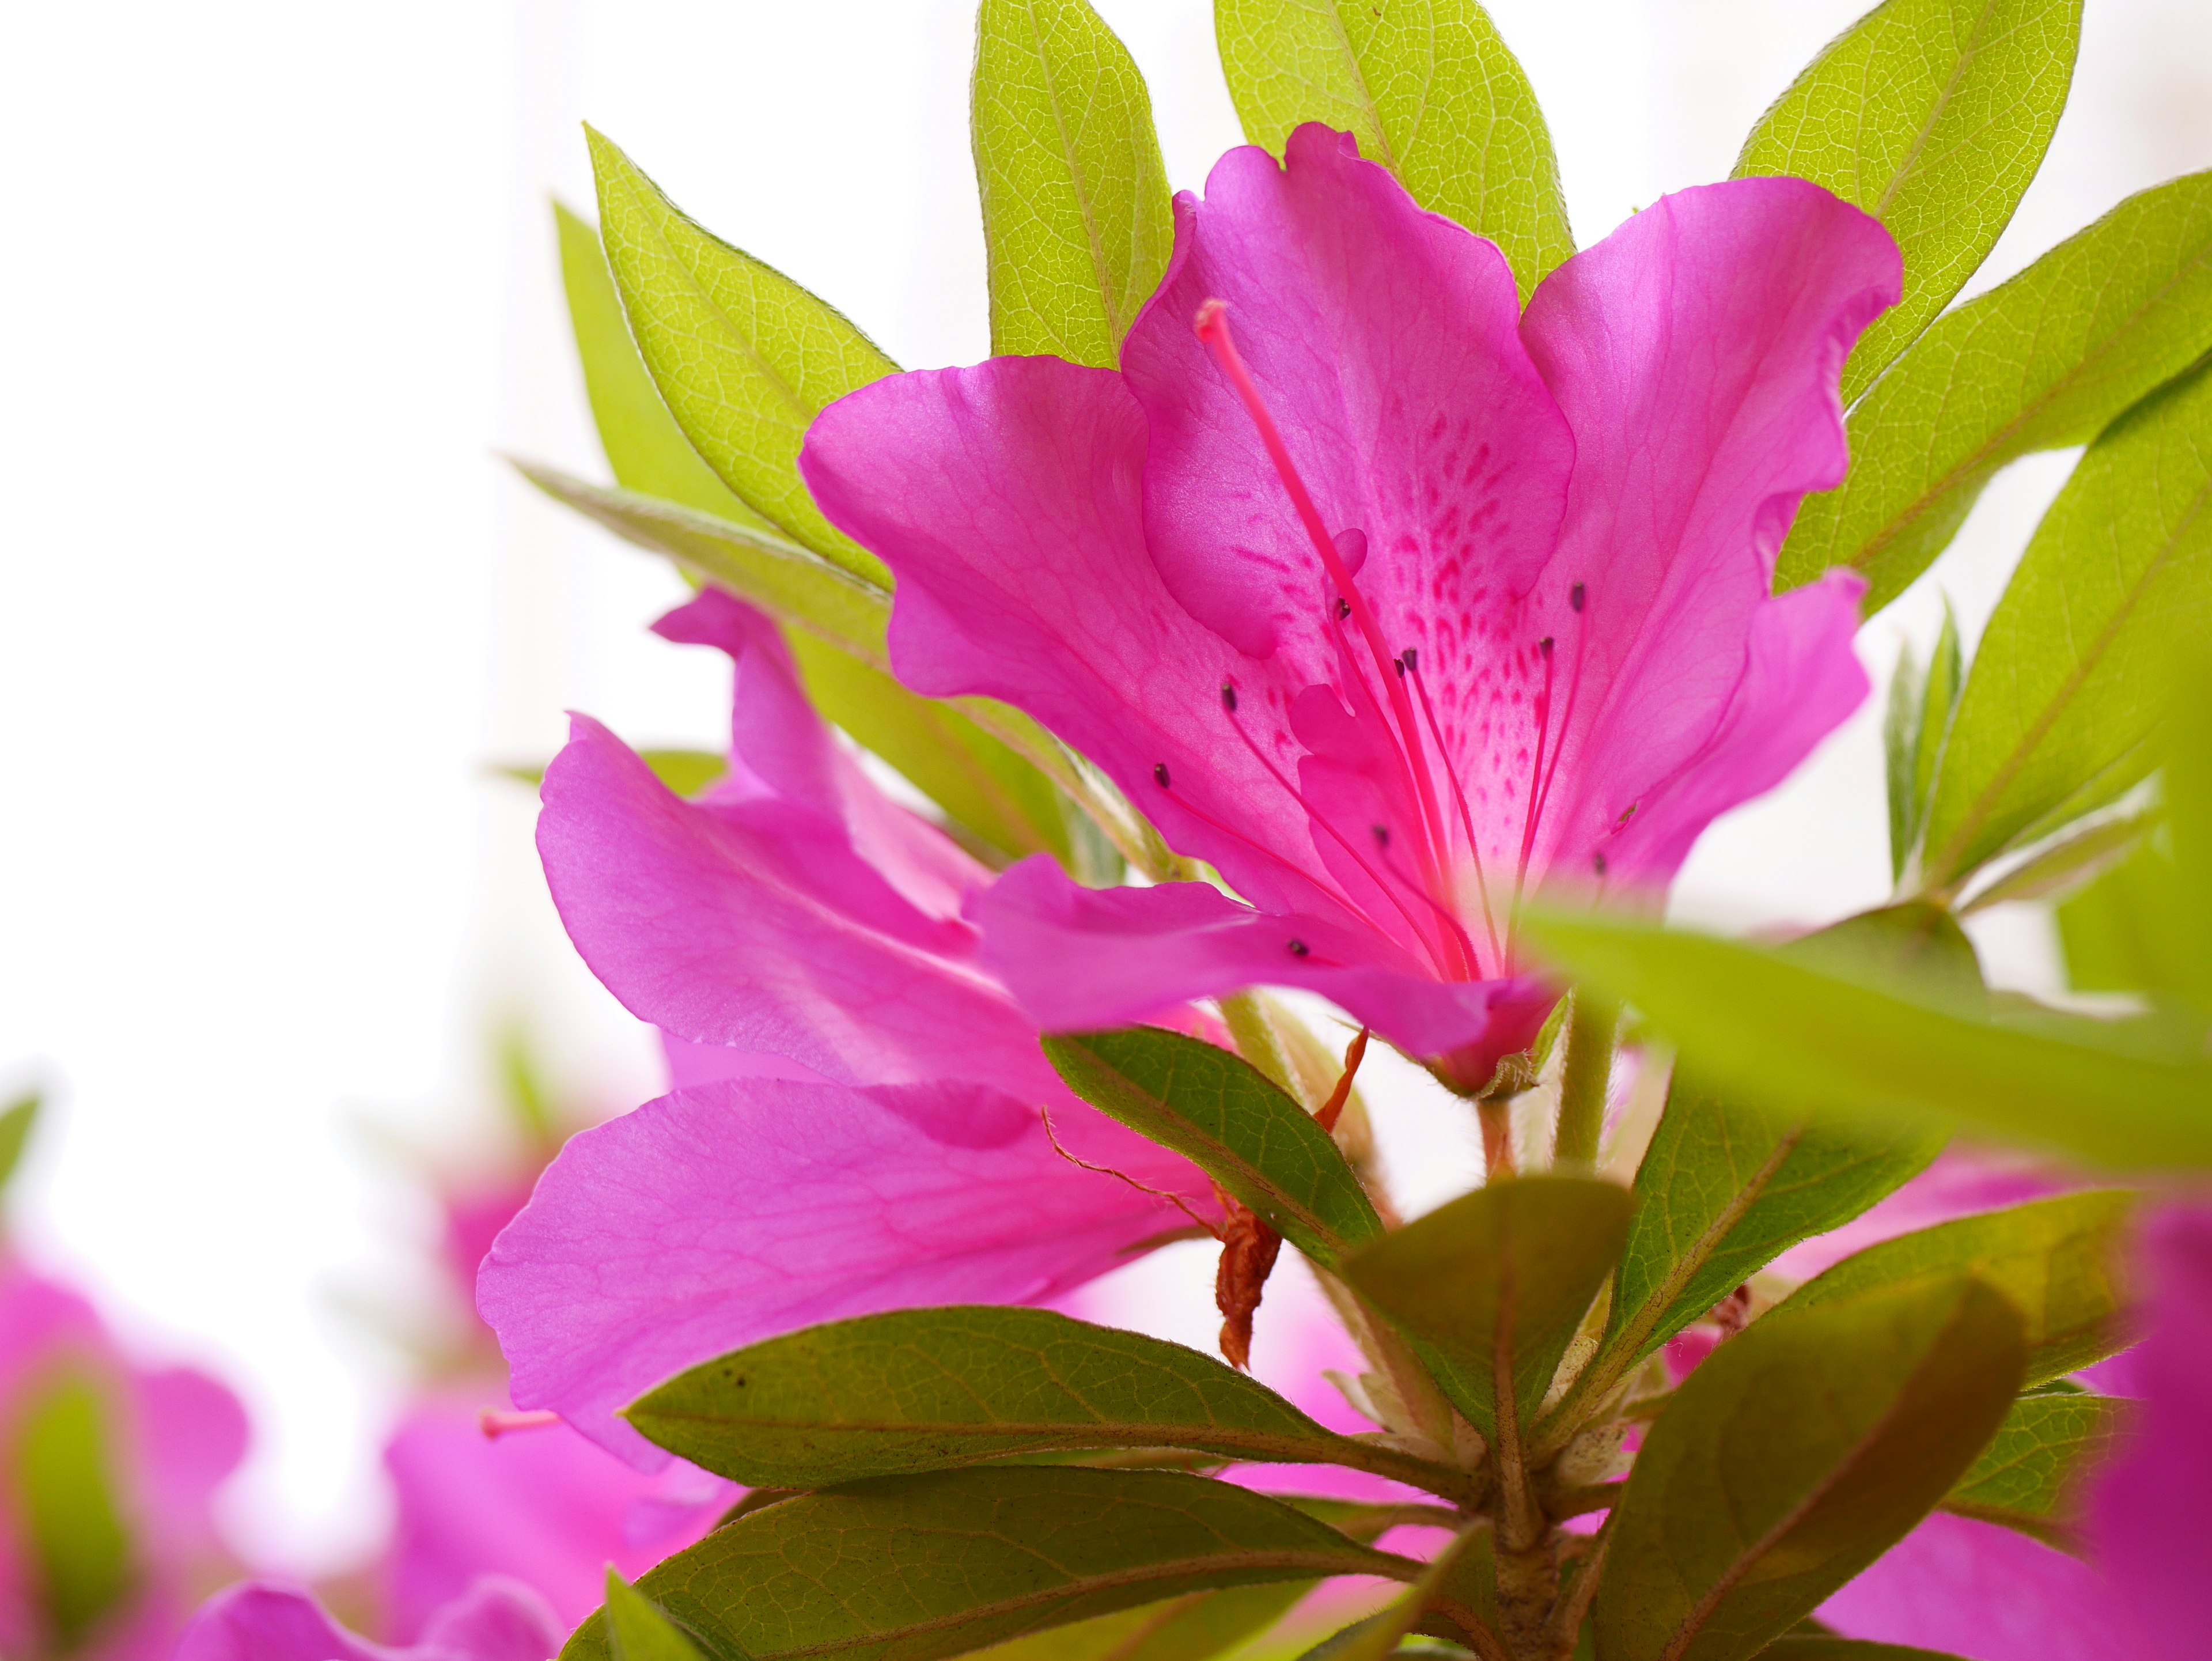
(1355, 1559)
(1767, 1543)
(1984, 804)
(1093, 240)
(1104, 1432)
(1991, 452)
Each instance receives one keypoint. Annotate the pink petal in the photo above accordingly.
(1005, 499)
(781, 750)
(1983, 1592)
(712, 1218)
(260, 1621)
(1384, 341)
(2146, 1514)
(1082, 959)
(1695, 353)
(542, 1506)
(747, 925)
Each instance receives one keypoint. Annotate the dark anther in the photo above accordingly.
(1575, 598)
(1597, 863)
(1381, 834)
(1411, 662)
(1298, 948)
(1627, 813)
(1228, 697)
(1545, 645)
(1343, 608)
(1160, 774)
(1399, 664)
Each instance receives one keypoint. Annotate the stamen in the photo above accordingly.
(1319, 819)
(1381, 834)
(1342, 895)
(1298, 947)
(1597, 863)
(1575, 598)
(1229, 697)
(1535, 773)
(1466, 821)
(1160, 774)
(496, 1422)
(1212, 325)
(1343, 608)
(1451, 922)
(1566, 723)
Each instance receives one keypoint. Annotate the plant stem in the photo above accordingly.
(1590, 1028)
(1256, 1042)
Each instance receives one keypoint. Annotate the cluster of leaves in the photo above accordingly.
(940, 1482)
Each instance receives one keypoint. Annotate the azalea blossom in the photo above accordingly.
(860, 1123)
(170, 1436)
(497, 1620)
(1387, 601)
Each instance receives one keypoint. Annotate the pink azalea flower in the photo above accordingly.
(857, 1126)
(172, 1436)
(496, 1619)
(1383, 599)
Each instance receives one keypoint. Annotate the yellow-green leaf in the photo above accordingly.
(1429, 90)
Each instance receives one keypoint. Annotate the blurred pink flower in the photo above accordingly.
(494, 1619)
(1397, 601)
(169, 1437)
(857, 1126)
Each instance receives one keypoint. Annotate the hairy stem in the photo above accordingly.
(1589, 1035)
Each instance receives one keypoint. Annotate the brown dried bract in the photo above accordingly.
(1248, 1250)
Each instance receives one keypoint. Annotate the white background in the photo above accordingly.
(279, 284)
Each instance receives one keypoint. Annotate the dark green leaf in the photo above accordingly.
(64, 1468)
(1932, 115)
(932, 1389)
(2072, 673)
(1725, 1189)
(2045, 361)
(1222, 1114)
(1428, 89)
(17, 1121)
(744, 358)
(645, 448)
(918, 1567)
(2028, 1478)
(636, 1631)
(2060, 1261)
(1801, 1450)
(1939, 703)
(1076, 219)
(1797, 1039)
(1496, 1282)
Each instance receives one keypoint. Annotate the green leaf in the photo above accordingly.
(1900, 734)
(644, 446)
(1442, 1590)
(1932, 115)
(836, 625)
(1725, 1189)
(2071, 675)
(2028, 1478)
(2069, 863)
(1939, 706)
(918, 1567)
(934, 1388)
(686, 772)
(2059, 1262)
(63, 1476)
(1801, 1450)
(1429, 90)
(1797, 1039)
(1498, 1280)
(744, 358)
(1076, 220)
(2046, 361)
(793, 585)
(1192, 1627)
(984, 787)
(17, 1121)
(1222, 1114)
(636, 1631)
